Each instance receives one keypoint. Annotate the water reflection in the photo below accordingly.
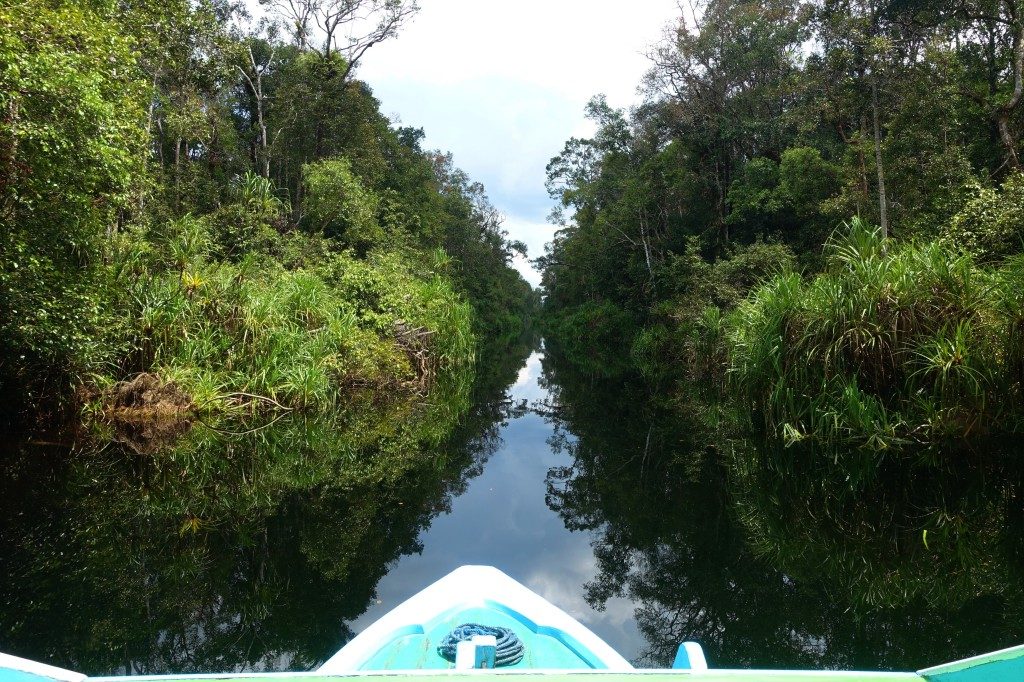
(503, 520)
(217, 552)
(640, 511)
(783, 558)
(122, 566)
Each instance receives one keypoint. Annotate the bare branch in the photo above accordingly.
(346, 27)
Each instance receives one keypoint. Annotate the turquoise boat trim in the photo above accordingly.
(15, 669)
(22, 676)
(1005, 665)
(560, 646)
(526, 675)
(690, 656)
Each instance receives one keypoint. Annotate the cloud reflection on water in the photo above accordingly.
(503, 520)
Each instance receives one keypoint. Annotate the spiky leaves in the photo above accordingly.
(891, 344)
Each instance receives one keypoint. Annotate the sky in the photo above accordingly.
(502, 85)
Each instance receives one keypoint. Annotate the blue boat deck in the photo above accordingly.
(416, 647)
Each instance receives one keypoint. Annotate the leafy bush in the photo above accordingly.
(991, 225)
(806, 180)
(304, 338)
(71, 143)
(338, 205)
(696, 283)
(135, 235)
(789, 199)
(593, 336)
(693, 321)
(893, 343)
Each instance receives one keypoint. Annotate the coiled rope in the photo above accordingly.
(509, 651)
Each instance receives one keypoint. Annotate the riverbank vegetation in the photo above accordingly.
(814, 215)
(225, 209)
(891, 343)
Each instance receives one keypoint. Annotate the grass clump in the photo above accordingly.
(257, 331)
(891, 344)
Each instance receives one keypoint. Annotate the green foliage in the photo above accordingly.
(239, 229)
(338, 206)
(481, 257)
(685, 338)
(592, 336)
(991, 224)
(889, 532)
(259, 196)
(754, 195)
(892, 344)
(268, 541)
(788, 199)
(304, 338)
(753, 549)
(770, 123)
(725, 282)
(806, 180)
(71, 141)
(175, 244)
(229, 211)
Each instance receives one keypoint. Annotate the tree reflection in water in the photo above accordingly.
(216, 553)
(784, 558)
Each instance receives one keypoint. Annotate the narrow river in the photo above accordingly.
(631, 506)
(503, 520)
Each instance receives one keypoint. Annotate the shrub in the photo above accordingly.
(703, 294)
(595, 336)
(991, 225)
(305, 338)
(891, 344)
(71, 142)
(338, 205)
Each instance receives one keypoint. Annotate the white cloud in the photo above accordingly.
(535, 235)
(502, 85)
(529, 273)
(563, 587)
(572, 47)
(503, 132)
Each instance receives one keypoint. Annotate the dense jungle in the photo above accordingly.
(198, 219)
(266, 361)
(816, 212)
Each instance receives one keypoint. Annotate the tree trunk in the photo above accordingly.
(148, 149)
(177, 172)
(160, 144)
(883, 211)
(266, 149)
(865, 187)
(720, 203)
(256, 85)
(1003, 124)
(645, 241)
(1005, 111)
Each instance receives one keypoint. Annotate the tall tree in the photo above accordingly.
(727, 75)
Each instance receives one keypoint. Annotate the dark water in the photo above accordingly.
(632, 508)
